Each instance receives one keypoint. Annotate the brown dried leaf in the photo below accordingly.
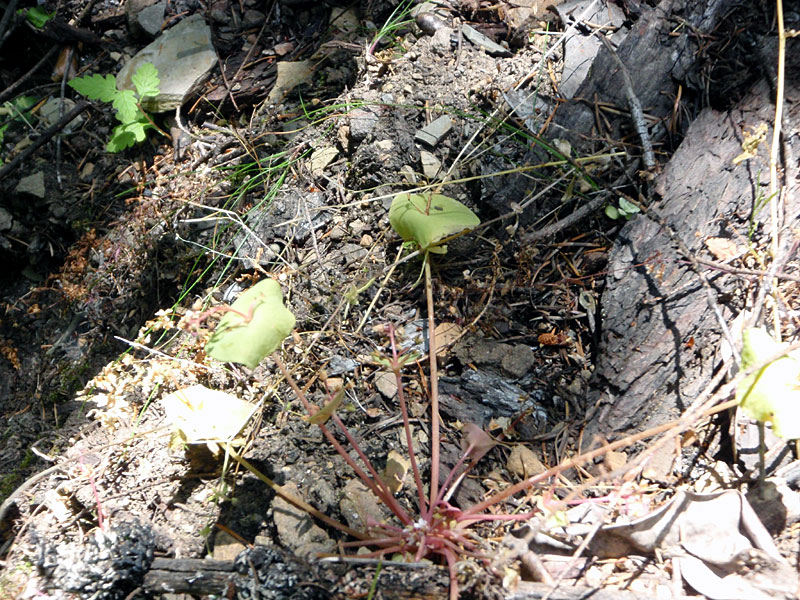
(477, 439)
(722, 248)
(394, 474)
(446, 335)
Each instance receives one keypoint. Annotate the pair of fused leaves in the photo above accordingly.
(430, 220)
(133, 121)
(254, 326)
(203, 416)
(771, 394)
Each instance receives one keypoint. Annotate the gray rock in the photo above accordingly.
(339, 364)
(296, 529)
(32, 184)
(580, 50)
(145, 16)
(386, 384)
(151, 18)
(440, 42)
(54, 108)
(321, 158)
(430, 165)
(362, 122)
(6, 220)
(252, 18)
(183, 55)
(433, 133)
(483, 42)
(518, 361)
(289, 76)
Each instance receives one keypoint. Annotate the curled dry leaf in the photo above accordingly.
(476, 441)
(722, 248)
(554, 339)
(394, 474)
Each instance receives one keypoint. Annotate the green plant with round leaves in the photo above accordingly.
(253, 326)
(430, 220)
(625, 210)
(771, 394)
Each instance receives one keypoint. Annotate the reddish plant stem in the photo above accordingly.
(374, 483)
(401, 399)
(573, 462)
(453, 572)
(385, 493)
(446, 484)
(301, 504)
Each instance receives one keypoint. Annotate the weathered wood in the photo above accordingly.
(283, 576)
(656, 59)
(188, 576)
(337, 581)
(660, 339)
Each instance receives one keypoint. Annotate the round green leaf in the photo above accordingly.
(430, 219)
(628, 207)
(772, 394)
(205, 415)
(254, 327)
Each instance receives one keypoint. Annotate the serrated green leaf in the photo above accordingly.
(146, 80)
(772, 394)
(125, 104)
(121, 138)
(255, 327)
(126, 135)
(96, 87)
(430, 219)
(23, 103)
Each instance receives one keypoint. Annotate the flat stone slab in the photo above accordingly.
(433, 133)
(483, 42)
(32, 184)
(183, 55)
(290, 75)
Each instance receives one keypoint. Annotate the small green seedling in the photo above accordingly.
(15, 111)
(772, 394)
(134, 122)
(253, 326)
(36, 16)
(430, 220)
(625, 210)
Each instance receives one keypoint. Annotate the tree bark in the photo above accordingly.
(660, 339)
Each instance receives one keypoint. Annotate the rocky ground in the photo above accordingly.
(283, 164)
